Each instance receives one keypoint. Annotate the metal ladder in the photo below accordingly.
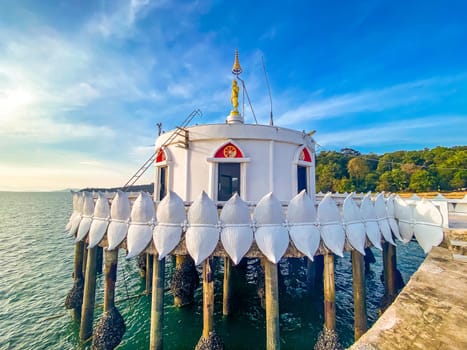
(147, 164)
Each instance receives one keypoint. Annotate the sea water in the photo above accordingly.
(36, 265)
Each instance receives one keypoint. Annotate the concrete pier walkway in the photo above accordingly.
(430, 312)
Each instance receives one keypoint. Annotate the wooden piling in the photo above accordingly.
(179, 260)
(226, 289)
(110, 278)
(87, 312)
(208, 298)
(109, 331)
(79, 258)
(99, 260)
(184, 281)
(272, 305)
(389, 270)
(74, 298)
(157, 304)
(329, 292)
(149, 273)
(359, 294)
(85, 257)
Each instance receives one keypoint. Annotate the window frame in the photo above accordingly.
(214, 170)
(219, 182)
(166, 164)
(305, 164)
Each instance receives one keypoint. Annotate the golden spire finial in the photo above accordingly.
(235, 117)
(236, 69)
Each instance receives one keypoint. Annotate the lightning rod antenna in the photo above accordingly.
(271, 119)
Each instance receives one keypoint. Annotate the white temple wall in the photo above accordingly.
(268, 164)
(257, 170)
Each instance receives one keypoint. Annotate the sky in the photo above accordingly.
(83, 83)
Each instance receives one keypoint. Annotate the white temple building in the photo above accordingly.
(222, 159)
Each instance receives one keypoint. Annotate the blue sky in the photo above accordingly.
(83, 83)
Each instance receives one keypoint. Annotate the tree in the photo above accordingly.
(409, 168)
(390, 161)
(325, 176)
(400, 179)
(386, 182)
(459, 180)
(343, 185)
(415, 157)
(336, 159)
(350, 152)
(373, 160)
(421, 181)
(358, 169)
(371, 181)
(440, 168)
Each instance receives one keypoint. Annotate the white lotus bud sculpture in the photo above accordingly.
(382, 217)
(428, 225)
(141, 225)
(171, 215)
(75, 218)
(332, 232)
(202, 234)
(237, 233)
(303, 229)
(391, 217)
(86, 218)
(120, 212)
(354, 225)
(100, 220)
(271, 236)
(76, 212)
(404, 214)
(367, 210)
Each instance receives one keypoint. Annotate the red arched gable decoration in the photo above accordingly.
(160, 157)
(228, 151)
(305, 155)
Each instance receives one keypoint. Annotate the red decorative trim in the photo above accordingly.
(305, 155)
(160, 157)
(229, 151)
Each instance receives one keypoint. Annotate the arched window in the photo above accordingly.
(305, 155)
(228, 171)
(162, 177)
(304, 161)
(160, 156)
(229, 150)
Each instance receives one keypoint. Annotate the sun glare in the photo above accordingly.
(14, 100)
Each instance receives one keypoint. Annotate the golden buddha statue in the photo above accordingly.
(234, 96)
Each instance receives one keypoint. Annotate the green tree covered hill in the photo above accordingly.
(437, 169)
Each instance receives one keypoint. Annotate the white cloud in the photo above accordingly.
(120, 18)
(50, 131)
(183, 90)
(48, 177)
(271, 33)
(141, 8)
(363, 101)
(396, 133)
(81, 94)
(49, 80)
(90, 162)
